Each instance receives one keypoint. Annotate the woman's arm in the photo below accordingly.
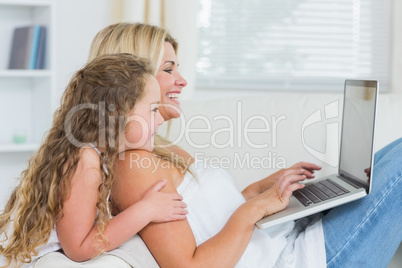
(173, 243)
(260, 186)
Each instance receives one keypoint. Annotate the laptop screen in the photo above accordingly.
(358, 125)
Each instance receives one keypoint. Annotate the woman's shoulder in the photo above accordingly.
(138, 161)
(136, 171)
(143, 167)
(182, 153)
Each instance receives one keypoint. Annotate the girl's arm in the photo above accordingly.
(173, 243)
(260, 186)
(76, 229)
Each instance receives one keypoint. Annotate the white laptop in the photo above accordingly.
(355, 160)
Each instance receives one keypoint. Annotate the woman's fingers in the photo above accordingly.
(287, 181)
(309, 173)
(278, 196)
(287, 193)
(308, 166)
(305, 168)
(291, 182)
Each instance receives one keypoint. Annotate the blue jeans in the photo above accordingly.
(367, 232)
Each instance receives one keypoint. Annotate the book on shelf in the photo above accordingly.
(40, 58)
(28, 48)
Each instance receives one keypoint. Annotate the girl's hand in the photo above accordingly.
(164, 207)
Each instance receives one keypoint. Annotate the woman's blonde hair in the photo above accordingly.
(106, 89)
(143, 40)
(146, 41)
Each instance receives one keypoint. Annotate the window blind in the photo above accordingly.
(292, 44)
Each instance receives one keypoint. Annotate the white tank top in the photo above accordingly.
(213, 195)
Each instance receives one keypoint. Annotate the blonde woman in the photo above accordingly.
(62, 201)
(220, 228)
(149, 42)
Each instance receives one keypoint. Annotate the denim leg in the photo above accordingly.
(385, 150)
(367, 232)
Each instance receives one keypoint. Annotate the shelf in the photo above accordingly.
(26, 95)
(15, 148)
(24, 73)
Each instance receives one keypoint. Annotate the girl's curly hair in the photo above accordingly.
(98, 95)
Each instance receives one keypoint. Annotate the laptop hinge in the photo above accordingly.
(352, 182)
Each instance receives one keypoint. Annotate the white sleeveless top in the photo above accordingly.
(211, 199)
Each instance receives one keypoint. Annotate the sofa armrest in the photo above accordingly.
(133, 253)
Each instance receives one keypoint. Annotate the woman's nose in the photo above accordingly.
(180, 81)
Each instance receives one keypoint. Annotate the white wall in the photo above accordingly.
(77, 23)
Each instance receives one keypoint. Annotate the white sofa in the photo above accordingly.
(224, 131)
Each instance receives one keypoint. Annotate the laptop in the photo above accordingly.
(353, 180)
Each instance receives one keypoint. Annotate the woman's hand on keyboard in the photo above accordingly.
(263, 185)
(277, 197)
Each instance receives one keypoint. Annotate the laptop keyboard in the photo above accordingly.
(319, 191)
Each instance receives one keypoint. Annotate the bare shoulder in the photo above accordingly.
(88, 167)
(89, 157)
(142, 165)
(137, 171)
(137, 161)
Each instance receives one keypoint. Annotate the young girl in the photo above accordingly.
(109, 106)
